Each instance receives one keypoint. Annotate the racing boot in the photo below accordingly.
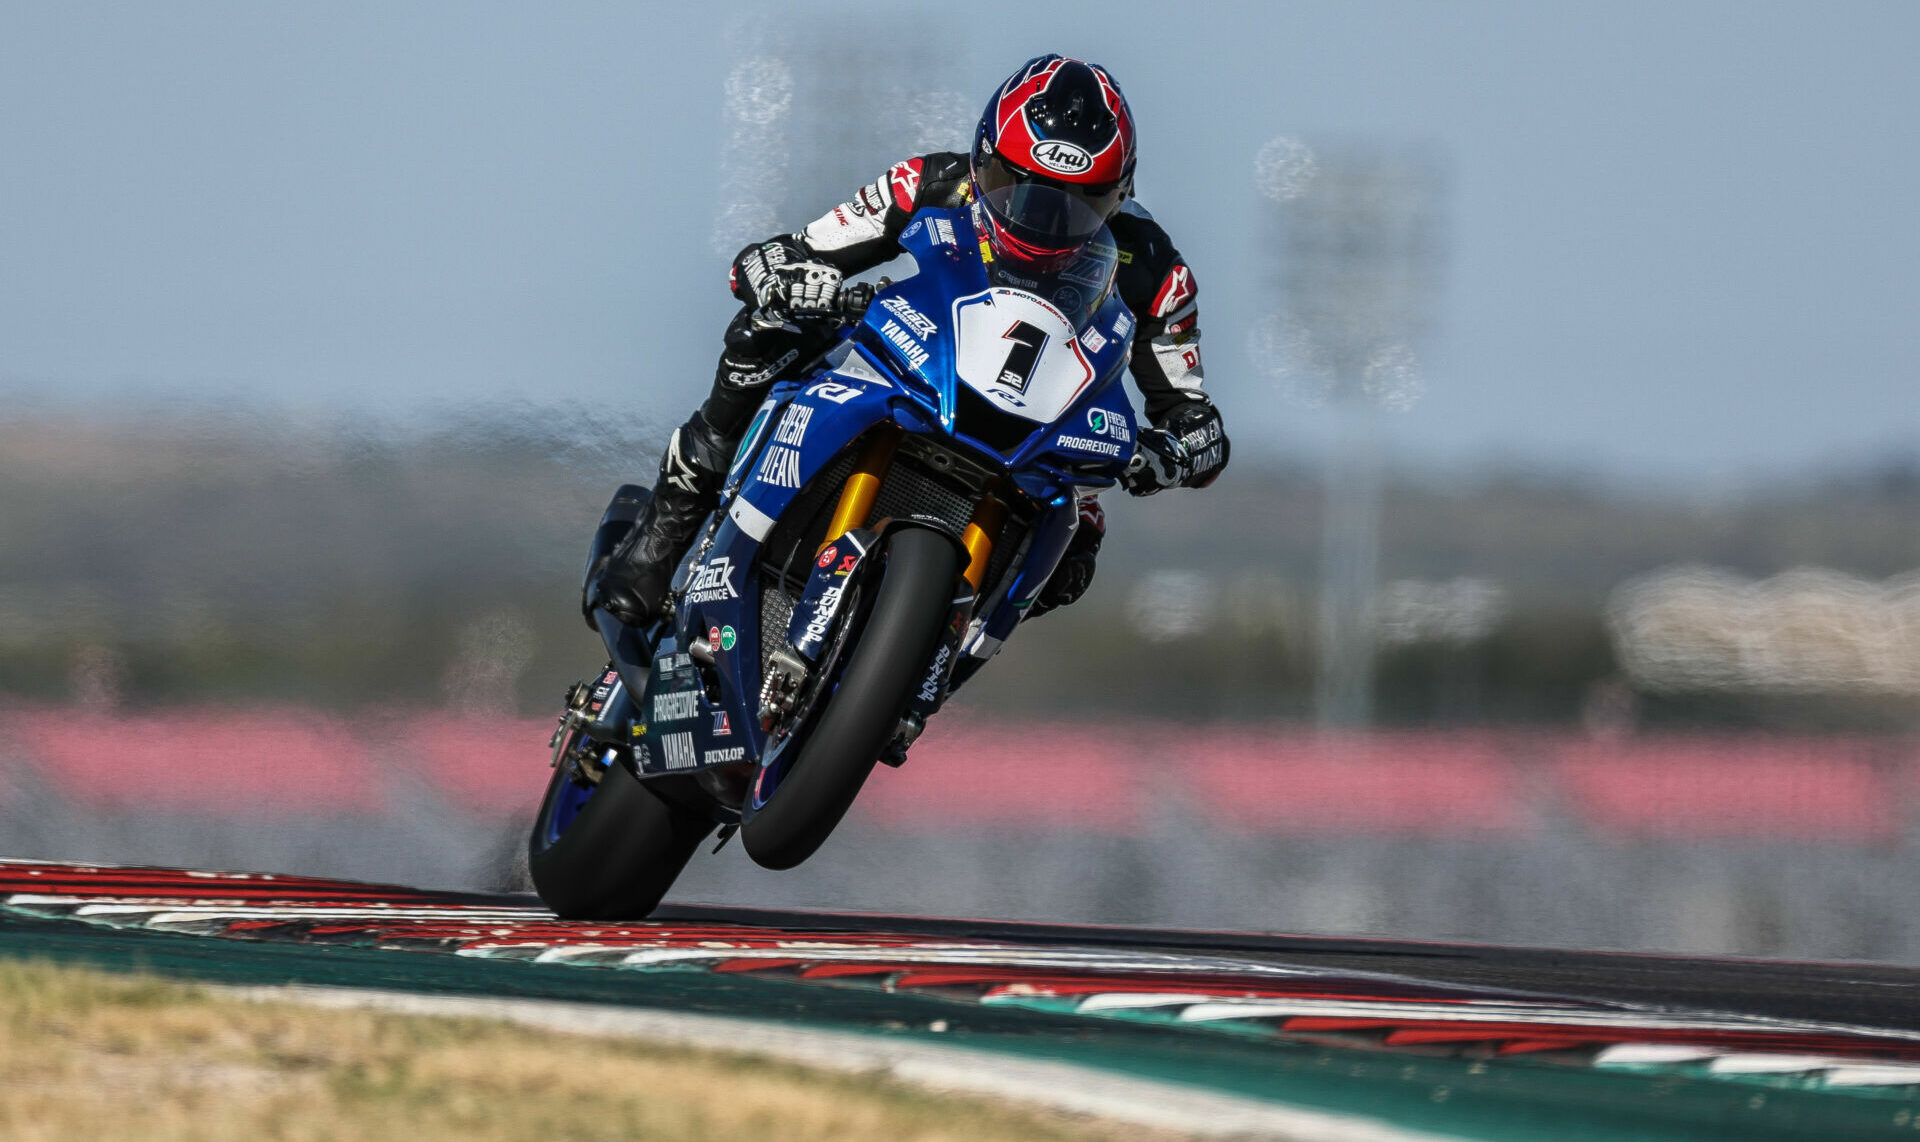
(632, 586)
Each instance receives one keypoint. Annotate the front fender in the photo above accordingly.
(826, 414)
(845, 561)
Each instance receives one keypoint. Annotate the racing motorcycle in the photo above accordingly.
(885, 524)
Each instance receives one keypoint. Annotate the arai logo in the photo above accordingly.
(1063, 158)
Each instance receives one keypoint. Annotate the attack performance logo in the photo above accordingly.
(713, 582)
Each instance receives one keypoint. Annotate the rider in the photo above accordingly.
(1056, 122)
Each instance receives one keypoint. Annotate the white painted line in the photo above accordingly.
(1746, 1063)
(1061, 1086)
(1890, 1074)
(1652, 1054)
(1127, 1001)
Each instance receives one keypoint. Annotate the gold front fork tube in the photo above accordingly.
(982, 533)
(863, 486)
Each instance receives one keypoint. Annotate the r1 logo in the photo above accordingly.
(833, 391)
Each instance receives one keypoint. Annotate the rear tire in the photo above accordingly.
(619, 856)
(886, 662)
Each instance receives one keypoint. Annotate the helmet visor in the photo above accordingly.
(1042, 213)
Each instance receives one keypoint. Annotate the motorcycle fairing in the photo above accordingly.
(897, 366)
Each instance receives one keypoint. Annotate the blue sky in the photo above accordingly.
(1682, 238)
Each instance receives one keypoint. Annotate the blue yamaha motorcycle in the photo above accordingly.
(886, 523)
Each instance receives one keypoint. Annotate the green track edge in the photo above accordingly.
(1495, 1101)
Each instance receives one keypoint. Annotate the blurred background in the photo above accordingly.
(1565, 587)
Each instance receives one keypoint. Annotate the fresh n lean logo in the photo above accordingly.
(1103, 423)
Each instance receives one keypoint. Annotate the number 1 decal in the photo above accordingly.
(1023, 356)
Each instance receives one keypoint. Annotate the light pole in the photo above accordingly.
(1358, 260)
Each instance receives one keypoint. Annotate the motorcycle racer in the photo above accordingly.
(1052, 163)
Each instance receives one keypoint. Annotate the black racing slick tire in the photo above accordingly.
(886, 661)
(619, 856)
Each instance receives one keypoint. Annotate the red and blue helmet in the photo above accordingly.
(1052, 159)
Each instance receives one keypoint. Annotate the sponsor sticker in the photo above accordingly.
(910, 231)
(1082, 444)
(922, 325)
(833, 391)
(914, 353)
(723, 756)
(728, 638)
(780, 467)
(943, 232)
(793, 426)
(722, 726)
(1093, 339)
(1103, 423)
(713, 636)
(823, 614)
(1067, 298)
(712, 581)
(674, 707)
(828, 556)
(1088, 272)
(930, 687)
(1123, 325)
(846, 565)
(680, 751)
(1062, 157)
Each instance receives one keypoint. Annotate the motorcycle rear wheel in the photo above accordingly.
(888, 656)
(620, 853)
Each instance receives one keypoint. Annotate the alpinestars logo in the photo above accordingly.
(712, 582)
(905, 179)
(1176, 291)
(1061, 157)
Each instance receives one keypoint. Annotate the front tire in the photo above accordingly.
(618, 856)
(888, 656)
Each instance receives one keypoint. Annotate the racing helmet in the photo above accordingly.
(1052, 160)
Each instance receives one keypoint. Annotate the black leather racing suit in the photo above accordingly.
(864, 232)
(857, 235)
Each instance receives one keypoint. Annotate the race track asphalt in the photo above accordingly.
(1864, 994)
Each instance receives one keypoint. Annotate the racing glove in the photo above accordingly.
(1189, 449)
(783, 283)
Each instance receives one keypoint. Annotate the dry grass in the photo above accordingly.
(91, 1056)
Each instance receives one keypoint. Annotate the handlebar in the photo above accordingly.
(855, 299)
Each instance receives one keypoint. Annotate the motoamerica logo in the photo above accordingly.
(712, 582)
(1062, 157)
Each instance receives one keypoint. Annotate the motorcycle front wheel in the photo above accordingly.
(863, 710)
